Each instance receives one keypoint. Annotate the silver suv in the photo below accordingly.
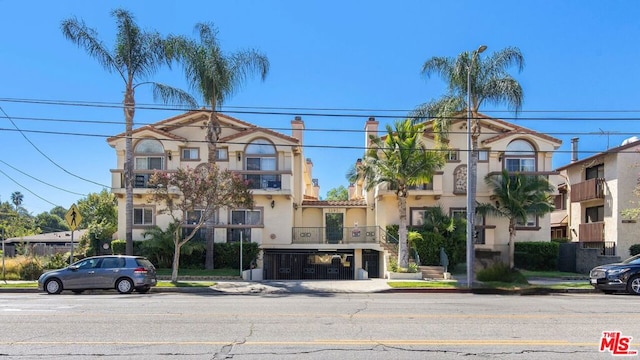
(120, 272)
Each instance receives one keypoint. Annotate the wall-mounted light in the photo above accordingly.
(273, 204)
(239, 156)
(500, 155)
(169, 154)
(295, 206)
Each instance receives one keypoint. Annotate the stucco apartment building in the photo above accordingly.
(302, 236)
(593, 193)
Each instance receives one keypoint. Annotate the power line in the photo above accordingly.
(43, 182)
(24, 187)
(45, 155)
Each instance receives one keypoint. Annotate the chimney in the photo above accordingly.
(574, 149)
(352, 191)
(316, 188)
(370, 128)
(297, 128)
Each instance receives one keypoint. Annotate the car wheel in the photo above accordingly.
(53, 286)
(124, 286)
(633, 285)
(143, 289)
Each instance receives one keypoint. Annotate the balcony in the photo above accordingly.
(587, 190)
(591, 232)
(433, 188)
(338, 235)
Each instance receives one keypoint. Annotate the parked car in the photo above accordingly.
(123, 273)
(623, 276)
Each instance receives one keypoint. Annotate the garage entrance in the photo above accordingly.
(308, 264)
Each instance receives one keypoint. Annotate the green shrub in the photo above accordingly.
(119, 247)
(393, 264)
(634, 249)
(537, 256)
(501, 273)
(227, 255)
(31, 269)
(57, 261)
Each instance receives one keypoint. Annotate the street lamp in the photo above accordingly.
(472, 164)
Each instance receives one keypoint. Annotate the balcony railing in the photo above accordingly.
(257, 181)
(587, 190)
(338, 235)
(607, 248)
(591, 232)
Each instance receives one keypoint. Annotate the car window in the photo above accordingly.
(144, 263)
(88, 263)
(635, 260)
(110, 263)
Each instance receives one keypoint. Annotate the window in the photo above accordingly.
(483, 155)
(142, 216)
(222, 154)
(193, 217)
(560, 201)
(595, 172)
(261, 156)
(246, 217)
(149, 155)
(532, 221)
(190, 154)
(594, 214)
(458, 213)
(520, 157)
(452, 155)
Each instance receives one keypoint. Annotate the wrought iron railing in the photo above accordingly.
(336, 235)
(607, 248)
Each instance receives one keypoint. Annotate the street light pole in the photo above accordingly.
(472, 164)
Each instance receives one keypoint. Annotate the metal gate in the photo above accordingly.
(312, 264)
(567, 257)
(371, 262)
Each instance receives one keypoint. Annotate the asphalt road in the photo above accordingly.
(313, 326)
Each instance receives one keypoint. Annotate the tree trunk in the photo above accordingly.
(512, 245)
(129, 111)
(213, 134)
(176, 262)
(403, 251)
(208, 262)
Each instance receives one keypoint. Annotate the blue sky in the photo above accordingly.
(582, 62)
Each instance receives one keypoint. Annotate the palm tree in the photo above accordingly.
(517, 196)
(136, 56)
(214, 74)
(400, 160)
(16, 199)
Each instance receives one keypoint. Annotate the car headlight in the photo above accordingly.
(615, 272)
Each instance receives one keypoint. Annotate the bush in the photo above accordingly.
(119, 247)
(634, 249)
(57, 261)
(31, 269)
(537, 256)
(393, 264)
(501, 273)
(227, 255)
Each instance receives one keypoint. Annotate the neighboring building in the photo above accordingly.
(44, 244)
(301, 236)
(502, 145)
(598, 188)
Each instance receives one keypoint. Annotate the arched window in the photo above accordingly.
(260, 160)
(520, 156)
(149, 155)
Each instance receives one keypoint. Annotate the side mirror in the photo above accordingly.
(73, 267)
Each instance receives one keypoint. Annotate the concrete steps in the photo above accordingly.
(432, 272)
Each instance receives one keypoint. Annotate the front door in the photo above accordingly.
(334, 227)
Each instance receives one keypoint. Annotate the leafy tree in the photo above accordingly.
(517, 196)
(136, 56)
(400, 160)
(205, 189)
(100, 217)
(338, 193)
(16, 223)
(214, 74)
(48, 222)
(59, 211)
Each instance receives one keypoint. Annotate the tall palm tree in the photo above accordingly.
(517, 196)
(16, 199)
(216, 76)
(136, 56)
(400, 160)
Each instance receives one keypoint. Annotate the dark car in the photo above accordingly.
(623, 276)
(123, 273)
